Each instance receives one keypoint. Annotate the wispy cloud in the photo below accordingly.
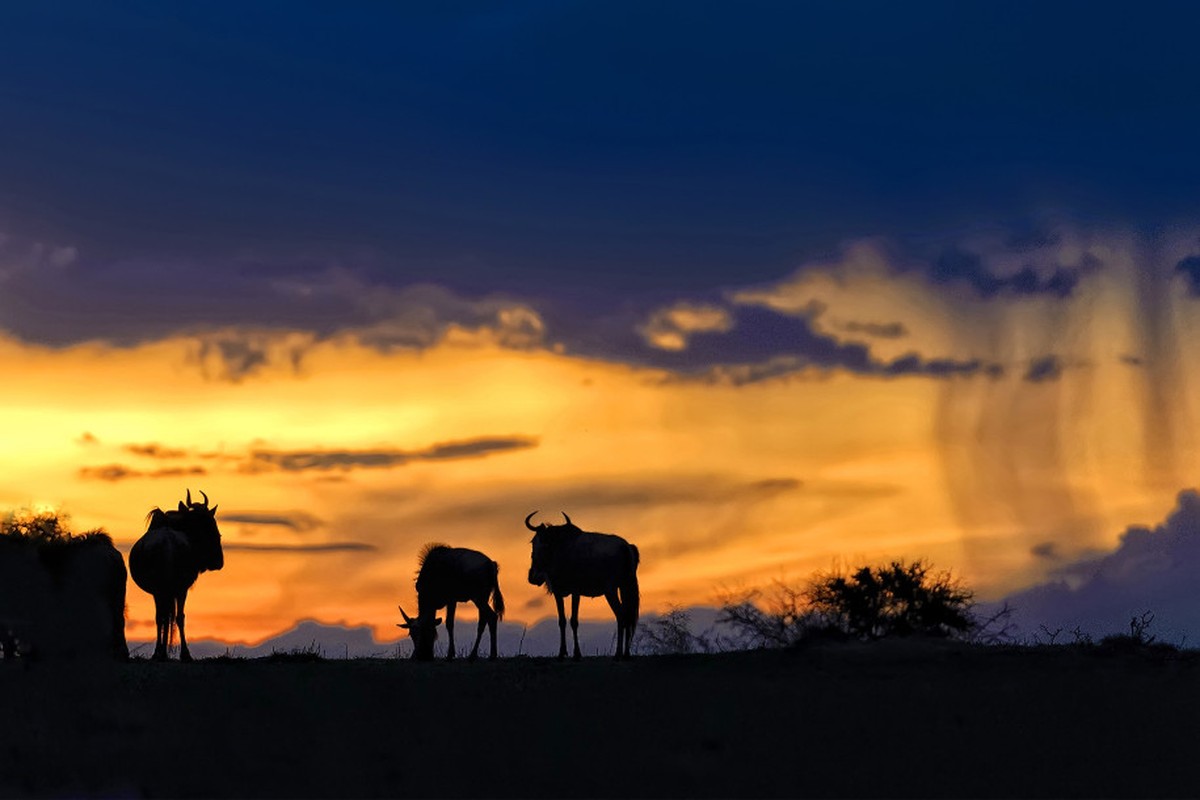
(119, 472)
(322, 460)
(298, 521)
(155, 450)
(328, 547)
(670, 328)
(879, 330)
(1045, 368)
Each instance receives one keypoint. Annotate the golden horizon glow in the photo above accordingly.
(718, 484)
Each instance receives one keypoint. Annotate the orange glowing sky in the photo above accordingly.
(331, 470)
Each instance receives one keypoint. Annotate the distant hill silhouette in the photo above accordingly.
(596, 638)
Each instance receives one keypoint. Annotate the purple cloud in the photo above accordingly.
(1152, 569)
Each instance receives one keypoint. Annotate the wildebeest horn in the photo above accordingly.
(202, 494)
(527, 525)
(568, 519)
(189, 497)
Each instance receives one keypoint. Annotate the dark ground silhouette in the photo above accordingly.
(889, 719)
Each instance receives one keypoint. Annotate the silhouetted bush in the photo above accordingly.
(779, 616)
(899, 599)
(43, 529)
(671, 634)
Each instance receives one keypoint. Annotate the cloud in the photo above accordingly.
(959, 266)
(322, 460)
(245, 317)
(880, 330)
(1189, 268)
(670, 328)
(154, 450)
(20, 257)
(1046, 550)
(1151, 569)
(328, 547)
(298, 521)
(636, 493)
(1045, 368)
(119, 472)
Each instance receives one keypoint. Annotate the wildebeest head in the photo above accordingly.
(545, 539)
(423, 632)
(200, 523)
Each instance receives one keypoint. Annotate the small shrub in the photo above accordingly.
(671, 634)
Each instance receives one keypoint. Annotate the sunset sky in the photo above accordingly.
(765, 288)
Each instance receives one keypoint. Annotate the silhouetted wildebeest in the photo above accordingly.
(62, 596)
(176, 547)
(448, 576)
(570, 561)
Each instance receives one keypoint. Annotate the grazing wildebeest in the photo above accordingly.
(176, 547)
(62, 596)
(448, 576)
(570, 561)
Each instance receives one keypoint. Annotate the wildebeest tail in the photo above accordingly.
(630, 594)
(497, 598)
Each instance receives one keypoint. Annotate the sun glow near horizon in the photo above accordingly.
(334, 463)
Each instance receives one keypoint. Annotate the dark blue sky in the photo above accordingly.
(577, 153)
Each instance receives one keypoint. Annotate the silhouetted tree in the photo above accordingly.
(898, 599)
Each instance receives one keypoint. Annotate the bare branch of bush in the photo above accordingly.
(1050, 635)
(782, 619)
(996, 628)
(671, 634)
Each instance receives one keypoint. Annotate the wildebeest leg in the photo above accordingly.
(450, 629)
(575, 624)
(562, 627)
(615, 605)
(184, 655)
(492, 619)
(162, 622)
(483, 611)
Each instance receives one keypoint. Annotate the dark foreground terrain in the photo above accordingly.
(850, 720)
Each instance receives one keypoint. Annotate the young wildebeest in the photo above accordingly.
(176, 547)
(448, 576)
(573, 562)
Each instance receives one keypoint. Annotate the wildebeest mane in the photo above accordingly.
(426, 550)
(157, 518)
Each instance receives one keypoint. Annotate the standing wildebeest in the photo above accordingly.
(448, 576)
(573, 562)
(176, 547)
(61, 595)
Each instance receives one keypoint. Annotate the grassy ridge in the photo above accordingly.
(885, 720)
